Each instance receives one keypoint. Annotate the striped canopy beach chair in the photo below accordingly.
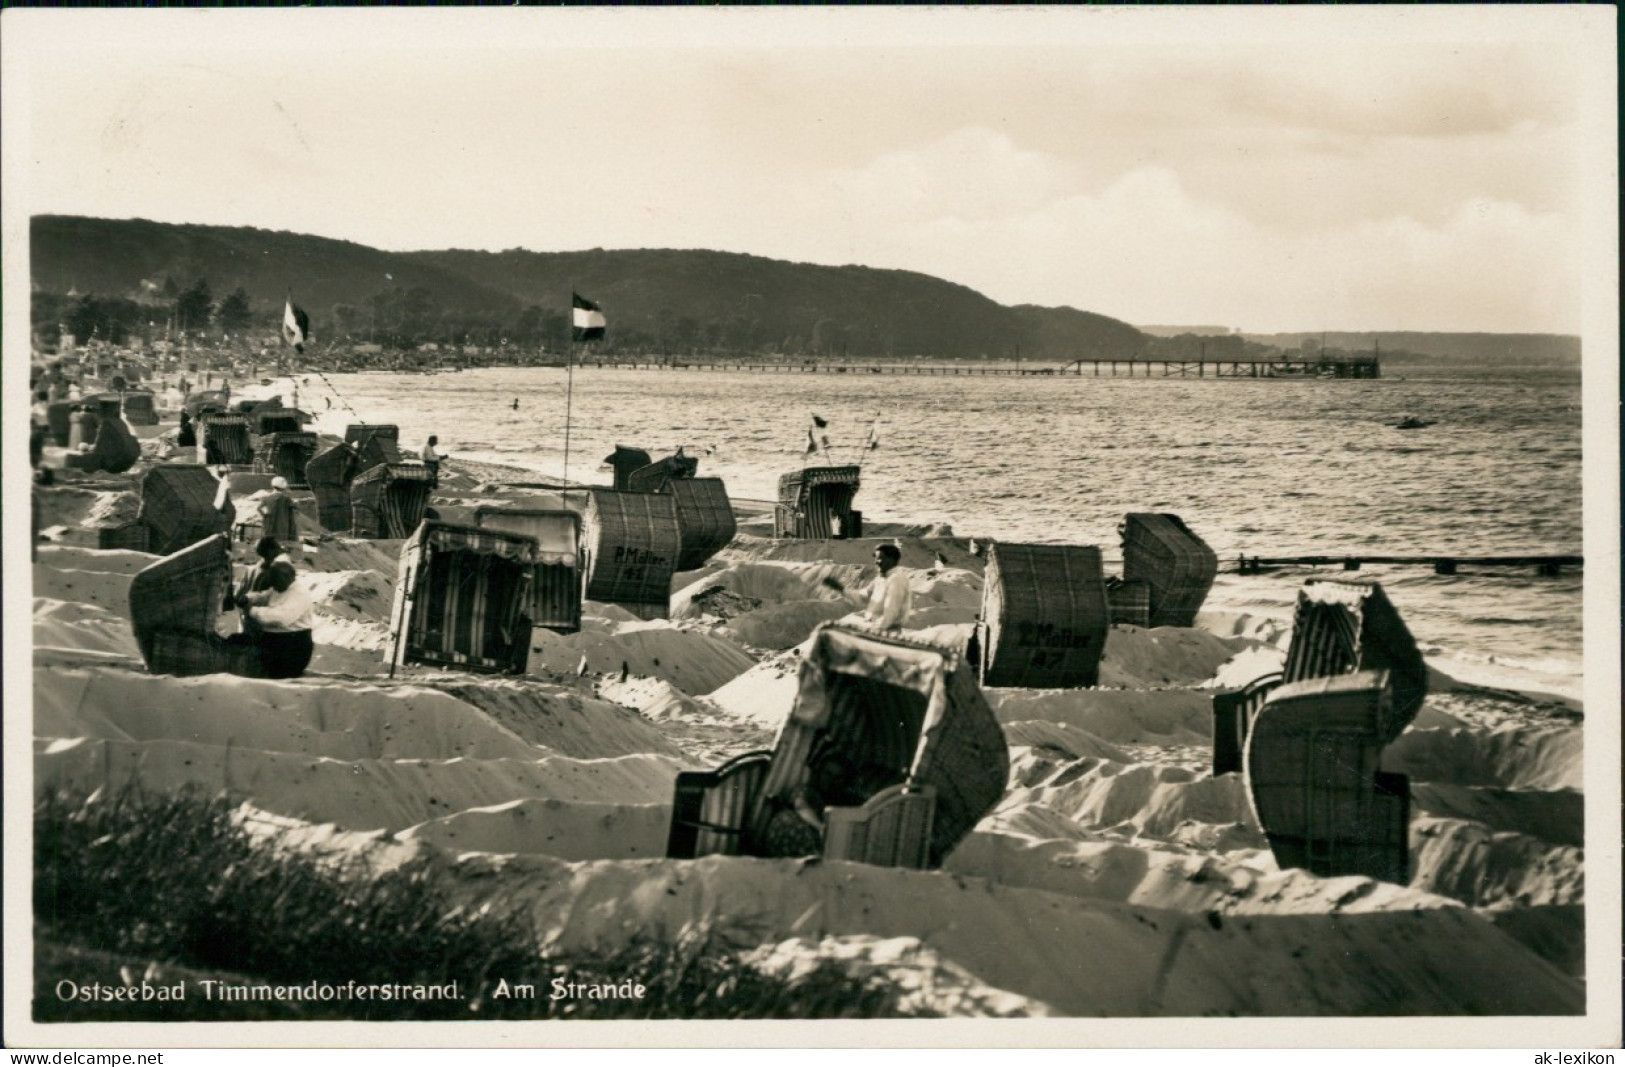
(816, 502)
(388, 501)
(459, 597)
(555, 580)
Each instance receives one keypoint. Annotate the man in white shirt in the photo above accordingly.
(887, 603)
(283, 616)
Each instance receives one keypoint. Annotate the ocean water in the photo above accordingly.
(1261, 467)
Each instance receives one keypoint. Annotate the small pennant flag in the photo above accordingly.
(586, 319)
(295, 326)
(817, 439)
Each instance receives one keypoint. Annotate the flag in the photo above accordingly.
(295, 325)
(817, 439)
(586, 320)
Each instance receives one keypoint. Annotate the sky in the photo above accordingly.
(1264, 169)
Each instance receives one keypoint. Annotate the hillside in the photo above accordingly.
(657, 300)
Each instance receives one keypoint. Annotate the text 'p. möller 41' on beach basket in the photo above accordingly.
(223, 438)
(890, 745)
(633, 541)
(1340, 627)
(662, 472)
(175, 606)
(816, 503)
(178, 507)
(704, 517)
(555, 580)
(459, 598)
(1044, 616)
(329, 473)
(1178, 565)
(1313, 780)
(286, 454)
(388, 501)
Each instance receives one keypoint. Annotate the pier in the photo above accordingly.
(1095, 367)
(1546, 566)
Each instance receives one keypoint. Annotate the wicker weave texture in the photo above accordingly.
(1161, 550)
(329, 473)
(624, 461)
(633, 541)
(287, 454)
(1340, 627)
(388, 501)
(458, 606)
(1046, 614)
(133, 536)
(1129, 602)
(277, 420)
(705, 519)
(177, 506)
(555, 587)
(656, 476)
(355, 433)
(140, 409)
(224, 439)
(816, 502)
(180, 593)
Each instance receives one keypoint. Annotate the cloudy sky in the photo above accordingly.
(1267, 169)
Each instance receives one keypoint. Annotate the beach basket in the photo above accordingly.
(632, 544)
(705, 519)
(1340, 627)
(107, 406)
(624, 461)
(816, 502)
(1311, 765)
(276, 420)
(357, 432)
(140, 409)
(1233, 712)
(710, 808)
(328, 474)
(655, 477)
(373, 444)
(1045, 616)
(887, 707)
(555, 580)
(1129, 602)
(459, 596)
(286, 454)
(115, 451)
(224, 438)
(177, 506)
(388, 501)
(174, 605)
(206, 401)
(133, 536)
(57, 425)
(1179, 566)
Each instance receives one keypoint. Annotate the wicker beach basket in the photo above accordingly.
(1340, 627)
(276, 420)
(624, 461)
(633, 541)
(1045, 615)
(177, 506)
(705, 519)
(555, 581)
(1179, 566)
(388, 501)
(1313, 780)
(206, 401)
(287, 454)
(328, 474)
(1129, 602)
(174, 605)
(223, 438)
(57, 425)
(816, 502)
(115, 451)
(459, 596)
(655, 477)
(106, 406)
(140, 409)
(1233, 713)
(132, 535)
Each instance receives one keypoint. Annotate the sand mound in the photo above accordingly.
(1556, 818)
(1135, 800)
(1471, 863)
(83, 509)
(1556, 933)
(1247, 666)
(356, 595)
(1513, 757)
(110, 592)
(564, 829)
(355, 794)
(1057, 740)
(1259, 628)
(382, 558)
(651, 698)
(764, 694)
(919, 553)
(782, 626)
(1120, 716)
(99, 560)
(694, 662)
(1166, 655)
(72, 627)
(563, 720)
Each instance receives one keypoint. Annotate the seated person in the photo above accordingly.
(282, 617)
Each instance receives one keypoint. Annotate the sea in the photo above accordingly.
(1261, 467)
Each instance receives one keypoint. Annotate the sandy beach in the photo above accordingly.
(1116, 877)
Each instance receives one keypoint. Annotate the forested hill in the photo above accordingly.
(656, 300)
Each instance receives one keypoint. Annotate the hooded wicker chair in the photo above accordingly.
(58, 428)
(555, 580)
(115, 450)
(895, 731)
(816, 502)
(373, 444)
(278, 419)
(174, 606)
(287, 454)
(459, 598)
(1340, 627)
(140, 409)
(389, 500)
(177, 507)
(205, 402)
(329, 474)
(655, 477)
(705, 519)
(1162, 551)
(624, 461)
(1045, 616)
(223, 438)
(633, 541)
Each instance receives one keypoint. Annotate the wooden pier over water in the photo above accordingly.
(1101, 367)
(1547, 566)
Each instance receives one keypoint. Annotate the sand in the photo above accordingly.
(1116, 877)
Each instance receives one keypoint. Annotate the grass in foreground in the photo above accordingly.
(170, 887)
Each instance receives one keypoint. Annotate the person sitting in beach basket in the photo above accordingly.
(258, 577)
(887, 603)
(281, 618)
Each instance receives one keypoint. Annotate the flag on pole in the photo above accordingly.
(817, 439)
(586, 319)
(295, 325)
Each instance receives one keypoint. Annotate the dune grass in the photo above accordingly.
(172, 886)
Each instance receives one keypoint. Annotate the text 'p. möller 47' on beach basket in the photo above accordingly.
(555, 579)
(816, 503)
(223, 438)
(174, 610)
(705, 519)
(459, 598)
(1044, 616)
(286, 454)
(329, 473)
(388, 501)
(890, 745)
(632, 542)
(1162, 551)
(178, 507)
